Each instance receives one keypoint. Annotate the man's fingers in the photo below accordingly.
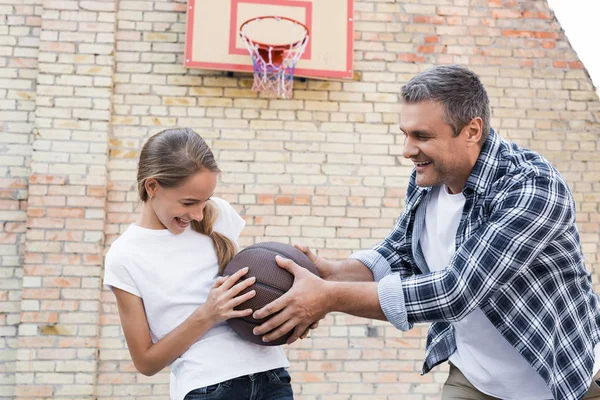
(229, 282)
(288, 265)
(305, 334)
(272, 307)
(273, 322)
(300, 330)
(312, 326)
(306, 250)
(279, 332)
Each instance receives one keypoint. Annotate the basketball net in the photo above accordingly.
(274, 67)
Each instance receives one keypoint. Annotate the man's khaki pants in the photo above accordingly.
(457, 387)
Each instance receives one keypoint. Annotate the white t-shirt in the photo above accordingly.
(482, 354)
(173, 275)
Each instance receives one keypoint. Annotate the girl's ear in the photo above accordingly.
(151, 186)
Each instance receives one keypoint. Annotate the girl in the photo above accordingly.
(162, 271)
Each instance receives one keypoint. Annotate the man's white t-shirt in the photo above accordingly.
(173, 275)
(482, 354)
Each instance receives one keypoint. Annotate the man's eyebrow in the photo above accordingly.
(418, 132)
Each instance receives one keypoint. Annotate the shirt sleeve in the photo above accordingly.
(231, 222)
(391, 255)
(388, 261)
(116, 275)
(524, 221)
(378, 265)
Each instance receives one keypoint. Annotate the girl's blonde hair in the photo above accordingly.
(171, 157)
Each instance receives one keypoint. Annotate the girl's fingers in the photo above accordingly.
(240, 314)
(240, 299)
(219, 281)
(241, 286)
(229, 282)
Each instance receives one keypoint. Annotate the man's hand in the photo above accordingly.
(315, 325)
(348, 270)
(327, 269)
(306, 302)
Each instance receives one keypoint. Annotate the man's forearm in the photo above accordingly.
(350, 270)
(359, 299)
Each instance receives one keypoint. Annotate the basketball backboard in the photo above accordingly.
(213, 40)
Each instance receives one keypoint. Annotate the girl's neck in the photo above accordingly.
(148, 219)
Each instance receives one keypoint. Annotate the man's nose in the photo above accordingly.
(409, 150)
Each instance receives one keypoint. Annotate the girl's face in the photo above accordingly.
(175, 208)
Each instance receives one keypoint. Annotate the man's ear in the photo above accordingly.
(474, 131)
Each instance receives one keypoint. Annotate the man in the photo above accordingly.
(486, 249)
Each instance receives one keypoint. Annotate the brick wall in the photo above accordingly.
(84, 83)
(19, 41)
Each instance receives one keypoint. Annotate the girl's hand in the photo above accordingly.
(224, 297)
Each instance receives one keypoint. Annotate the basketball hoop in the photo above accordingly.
(274, 63)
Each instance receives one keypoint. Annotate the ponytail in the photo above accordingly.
(224, 247)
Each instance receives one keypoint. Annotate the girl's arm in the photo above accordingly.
(150, 358)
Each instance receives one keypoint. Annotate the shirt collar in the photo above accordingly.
(484, 171)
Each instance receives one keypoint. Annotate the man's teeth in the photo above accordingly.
(422, 163)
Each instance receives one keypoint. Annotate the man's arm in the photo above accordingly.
(525, 220)
(349, 270)
(391, 254)
(528, 217)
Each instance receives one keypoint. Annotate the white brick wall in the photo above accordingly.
(83, 85)
(19, 32)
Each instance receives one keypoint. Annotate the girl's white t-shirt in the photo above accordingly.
(173, 275)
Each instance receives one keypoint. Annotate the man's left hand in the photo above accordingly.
(307, 301)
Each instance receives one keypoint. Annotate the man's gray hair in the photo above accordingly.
(458, 89)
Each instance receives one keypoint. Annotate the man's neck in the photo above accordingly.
(458, 184)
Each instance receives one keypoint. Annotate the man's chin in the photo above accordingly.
(425, 182)
(422, 181)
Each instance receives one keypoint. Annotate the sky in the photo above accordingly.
(579, 20)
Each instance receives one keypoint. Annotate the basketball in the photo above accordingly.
(271, 282)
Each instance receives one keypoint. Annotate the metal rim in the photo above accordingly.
(276, 47)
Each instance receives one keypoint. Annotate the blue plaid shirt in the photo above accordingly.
(518, 258)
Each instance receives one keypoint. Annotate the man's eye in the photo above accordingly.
(188, 204)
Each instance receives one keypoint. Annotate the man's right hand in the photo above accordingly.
(348, 270)
(327, 268)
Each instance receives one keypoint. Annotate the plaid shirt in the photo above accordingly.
(518, 258)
